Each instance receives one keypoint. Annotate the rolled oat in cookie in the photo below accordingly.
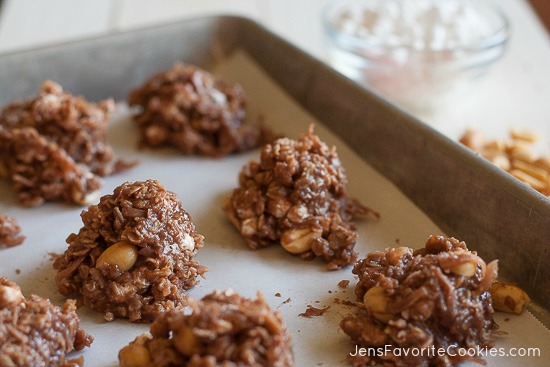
(133, 257)
(34, 332)
(46, 140)
(221, 329)
(296, 196)
(194, 111)
(10, 232)
(434, 297)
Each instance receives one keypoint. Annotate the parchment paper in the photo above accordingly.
(201, 184)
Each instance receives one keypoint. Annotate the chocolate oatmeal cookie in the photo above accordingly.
(33, 332)
(194, 111)
(53, 147)
(296, 196)
(10, 232)
(40, 171)
(222, 329)
(435, 298)
(133, 258)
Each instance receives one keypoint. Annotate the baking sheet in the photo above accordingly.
(202, 184)
(465, 195)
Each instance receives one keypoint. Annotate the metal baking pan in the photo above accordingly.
(463, 194)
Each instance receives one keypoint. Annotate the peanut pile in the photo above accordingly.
(515, 156)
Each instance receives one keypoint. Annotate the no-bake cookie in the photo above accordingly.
(133, 257)
(296, 195)
(194, 111)
(40, 171)
(53, 147)
(433, 299)
(221, 329)
(34, 332)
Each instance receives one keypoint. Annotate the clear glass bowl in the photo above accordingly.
(413, 63)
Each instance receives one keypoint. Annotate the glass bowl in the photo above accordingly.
(414, 51)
